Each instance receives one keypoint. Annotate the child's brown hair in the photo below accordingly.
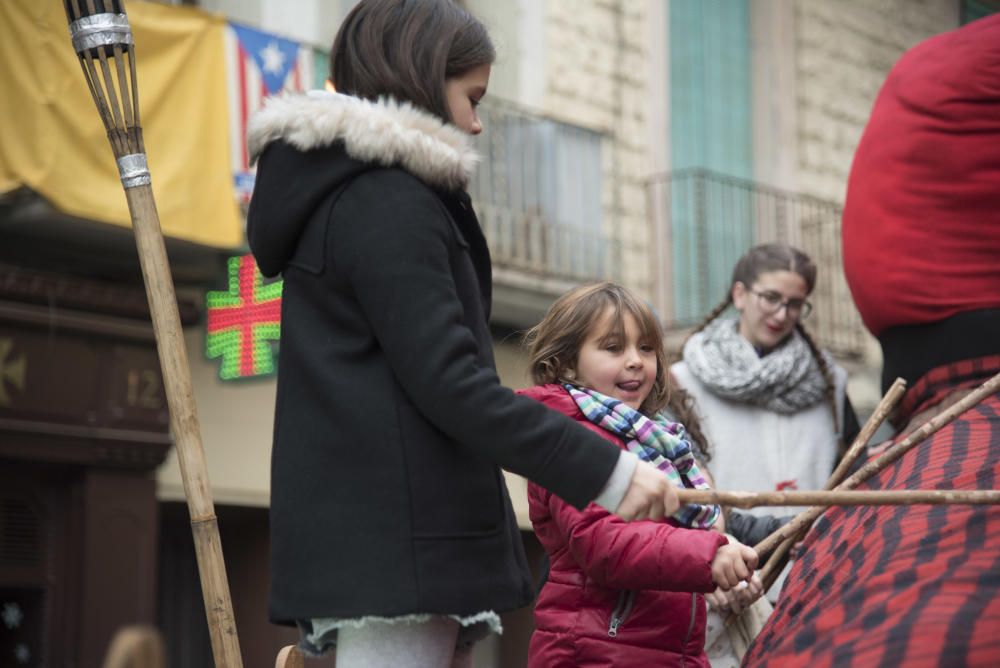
(407, 49)
(554, 343)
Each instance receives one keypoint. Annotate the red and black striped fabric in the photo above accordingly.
(904, 586)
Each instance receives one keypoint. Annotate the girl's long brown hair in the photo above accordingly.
(680, 406)
(406, 50)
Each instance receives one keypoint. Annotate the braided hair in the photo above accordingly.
(762, 259)
(719, 309)
(825, 370)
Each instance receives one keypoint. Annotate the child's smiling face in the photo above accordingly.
(621, 364)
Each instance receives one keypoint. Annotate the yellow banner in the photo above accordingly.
(53, 141)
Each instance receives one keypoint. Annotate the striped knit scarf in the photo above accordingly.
(658, 441)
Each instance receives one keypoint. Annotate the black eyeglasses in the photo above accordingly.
(771, 302)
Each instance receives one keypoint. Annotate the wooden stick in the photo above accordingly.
(777, 560)
(779, 556)
(126, 140)
(990, 387)
(780, 542)
(185, 425)
(882, 411)
(842, 497)
(289, 657)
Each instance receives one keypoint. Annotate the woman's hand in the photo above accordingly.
(650, 496)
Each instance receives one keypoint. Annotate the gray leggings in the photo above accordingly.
(427, 644)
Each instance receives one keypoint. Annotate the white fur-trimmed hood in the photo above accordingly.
(384, 132)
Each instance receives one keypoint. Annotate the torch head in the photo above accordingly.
(102, 39)
(97, 26)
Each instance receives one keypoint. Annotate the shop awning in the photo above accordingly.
(52, 140)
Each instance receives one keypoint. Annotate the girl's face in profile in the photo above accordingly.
(622, 366)
(770, 307)
(464, 93)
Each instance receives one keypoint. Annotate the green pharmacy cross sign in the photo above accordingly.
(244, 321)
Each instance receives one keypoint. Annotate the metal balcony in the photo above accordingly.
(706, 221)
(538, 194)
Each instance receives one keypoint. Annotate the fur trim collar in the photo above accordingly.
(384, 132)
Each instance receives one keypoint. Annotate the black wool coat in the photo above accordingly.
(391, 425)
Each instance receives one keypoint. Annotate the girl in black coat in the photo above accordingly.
(391, 530)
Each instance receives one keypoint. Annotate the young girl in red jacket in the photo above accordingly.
(621, 594)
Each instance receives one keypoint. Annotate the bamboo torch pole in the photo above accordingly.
(103, 41)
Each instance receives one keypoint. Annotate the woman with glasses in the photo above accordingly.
(772, 405)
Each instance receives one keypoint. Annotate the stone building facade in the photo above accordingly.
(587, 64)
(843, 51)
(596, 75)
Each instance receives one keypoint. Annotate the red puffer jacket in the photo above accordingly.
(618, 593)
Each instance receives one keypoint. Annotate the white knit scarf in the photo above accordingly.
(786, 380)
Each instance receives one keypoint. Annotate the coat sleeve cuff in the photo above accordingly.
(616, 486)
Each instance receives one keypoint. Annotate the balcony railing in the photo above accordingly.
(708, 220)
(538, 195)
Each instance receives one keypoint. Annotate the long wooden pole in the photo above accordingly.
(841, 497)
(100, 35)
(989, 388)
(782, 540)
(779, 556)
(882, 411)
(185, 426)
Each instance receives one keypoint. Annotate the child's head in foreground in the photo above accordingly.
(605, 338)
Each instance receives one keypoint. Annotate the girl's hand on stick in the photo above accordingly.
(745, 593)
(739, 598)
(717, 600)
(733, 564)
